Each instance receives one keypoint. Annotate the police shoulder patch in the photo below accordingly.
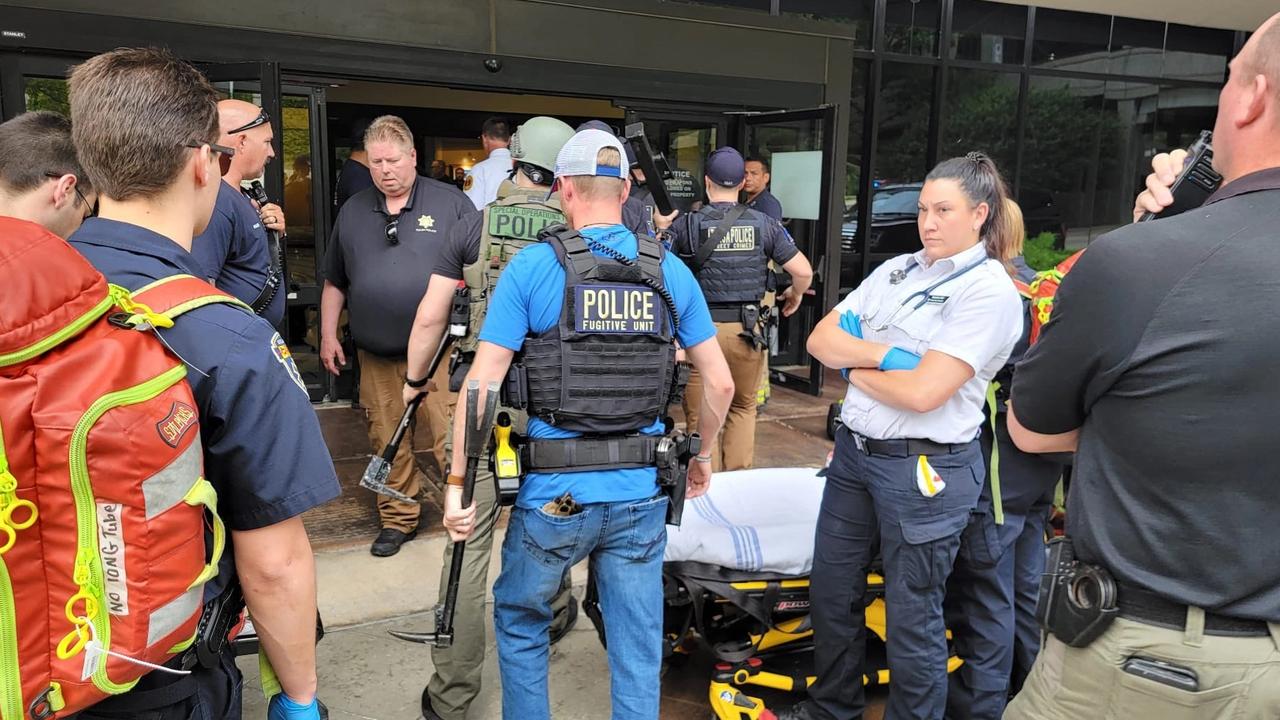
(283, 356)
(468, 182)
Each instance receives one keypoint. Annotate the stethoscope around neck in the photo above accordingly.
(921, 297)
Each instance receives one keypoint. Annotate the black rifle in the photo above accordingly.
(654, 165)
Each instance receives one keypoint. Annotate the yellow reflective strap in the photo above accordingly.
(997, 507)
(202, 493)
(138, 312)
(267, 676)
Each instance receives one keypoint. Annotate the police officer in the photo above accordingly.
(756, 189)
(477, 251)
(383, 247)
(990, 603)
(145, 126)
(728, 246)
(235, 250)
(40, 177)
(919, 340)
(602, 297)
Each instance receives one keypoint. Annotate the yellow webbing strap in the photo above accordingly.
(267, 676)
(996, 506)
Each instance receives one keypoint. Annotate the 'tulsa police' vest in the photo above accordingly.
(607, 366)
(736, 271)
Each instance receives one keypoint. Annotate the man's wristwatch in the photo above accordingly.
(417, 383)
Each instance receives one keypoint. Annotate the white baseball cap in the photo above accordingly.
(578, 156)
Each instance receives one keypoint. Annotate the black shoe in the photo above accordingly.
(572, 619)
(428, 713)
(799, 711)
(389, 541)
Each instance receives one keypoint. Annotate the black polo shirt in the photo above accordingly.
(383, 282)
(1162, 350)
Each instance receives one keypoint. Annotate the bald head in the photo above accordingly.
(1261, 54)
(236, 113)
(253, 144)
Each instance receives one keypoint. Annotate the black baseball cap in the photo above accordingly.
(725, 167)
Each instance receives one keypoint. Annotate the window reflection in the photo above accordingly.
(988, 32)
(911, 27)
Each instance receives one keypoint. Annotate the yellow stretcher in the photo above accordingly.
(758, 628)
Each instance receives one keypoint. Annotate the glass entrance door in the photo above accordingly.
(798, 147)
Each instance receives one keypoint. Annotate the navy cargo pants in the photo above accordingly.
(991, 596)
(870, 499)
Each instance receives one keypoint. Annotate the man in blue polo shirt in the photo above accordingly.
(234, 251)
(617, 310)
(144, 127)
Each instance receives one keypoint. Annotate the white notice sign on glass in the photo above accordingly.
(797, 183)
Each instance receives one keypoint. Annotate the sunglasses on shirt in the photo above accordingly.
(392, 230)
(224, 153)
(90, 210)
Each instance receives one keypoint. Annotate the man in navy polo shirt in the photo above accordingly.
(627, 294)
(234, 250)
(263, 451)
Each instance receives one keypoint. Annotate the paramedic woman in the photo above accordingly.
(919, 340)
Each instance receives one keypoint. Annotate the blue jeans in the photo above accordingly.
(624, 541)
(872, 499)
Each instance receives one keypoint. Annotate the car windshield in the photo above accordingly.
(895, 201)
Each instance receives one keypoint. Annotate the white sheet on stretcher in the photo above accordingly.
(758, 520)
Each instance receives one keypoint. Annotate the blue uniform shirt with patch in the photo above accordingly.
(528, 301)
(234, 253)
(263, 451)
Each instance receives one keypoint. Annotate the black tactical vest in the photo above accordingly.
(736, 271)
(608, 364)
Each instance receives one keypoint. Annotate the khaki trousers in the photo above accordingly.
(1239, 677)
(737, 445)
(381, 394)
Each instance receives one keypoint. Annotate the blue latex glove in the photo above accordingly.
(899, 359)
(852, 324)
(283, 707)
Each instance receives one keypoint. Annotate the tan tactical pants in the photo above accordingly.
(1239, 677)
(736, 447)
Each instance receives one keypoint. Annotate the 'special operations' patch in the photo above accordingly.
(621, 309)
(521, 223)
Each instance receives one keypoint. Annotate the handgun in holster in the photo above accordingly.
(674, 453)
(459, 326)
(213, 631)
(504, 459)
(751, 328)
(1077, 600)
(1197, 181)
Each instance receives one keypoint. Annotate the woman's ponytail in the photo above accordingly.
(980, 179)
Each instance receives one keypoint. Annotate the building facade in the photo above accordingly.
(851, 100)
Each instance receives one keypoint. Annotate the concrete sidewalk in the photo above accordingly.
(367, 674)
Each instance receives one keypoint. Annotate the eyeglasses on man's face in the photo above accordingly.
(224, 153)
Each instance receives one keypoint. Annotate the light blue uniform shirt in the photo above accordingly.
(528, 301)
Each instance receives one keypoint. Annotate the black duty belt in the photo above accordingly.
(903, 447)
(632, 451)
(1147, 607)
(726, 313)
